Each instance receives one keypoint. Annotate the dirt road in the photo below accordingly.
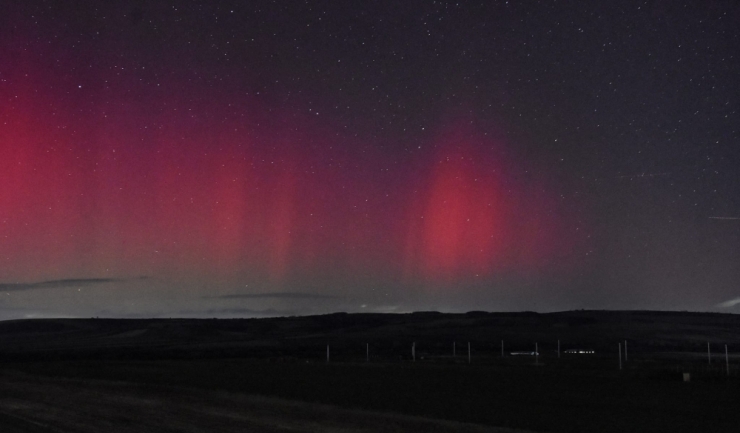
(32, 404)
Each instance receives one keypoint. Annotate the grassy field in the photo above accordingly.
(33, 404)
(544, 398)
(285, 358)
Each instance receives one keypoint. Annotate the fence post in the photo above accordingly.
(625, 350)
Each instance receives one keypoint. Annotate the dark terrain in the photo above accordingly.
(192, 373)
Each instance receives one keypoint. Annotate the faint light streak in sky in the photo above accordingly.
(730, 303)
(633, 176)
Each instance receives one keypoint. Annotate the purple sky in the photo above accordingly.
(231, 159)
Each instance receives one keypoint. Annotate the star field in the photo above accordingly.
(389, 156)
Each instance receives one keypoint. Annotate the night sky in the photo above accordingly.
(246, 159)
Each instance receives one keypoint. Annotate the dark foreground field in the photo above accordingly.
(272, 375)
(44, 405)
